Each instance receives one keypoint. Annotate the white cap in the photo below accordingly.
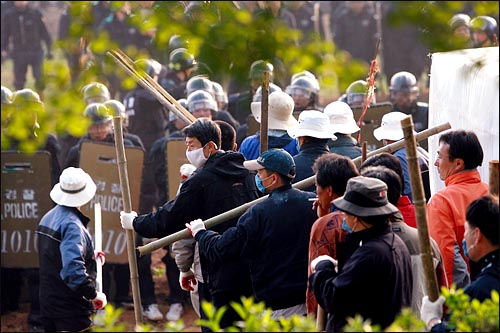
(341, 118)
(312, 123)
(391, 128)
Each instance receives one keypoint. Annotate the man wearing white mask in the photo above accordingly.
(219, 184)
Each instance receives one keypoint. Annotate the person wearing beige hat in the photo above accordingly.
(391, 131)
(68, 263)
(280, 119)
(376, 280)
(312, 134)
(343, 125)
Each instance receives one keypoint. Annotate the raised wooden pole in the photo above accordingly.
(417, 189)
(264, 113)
(493, 182)
(127, 207)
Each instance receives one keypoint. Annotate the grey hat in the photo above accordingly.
(365, 196)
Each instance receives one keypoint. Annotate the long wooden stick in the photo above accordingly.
(152, 86)
(235, 212)
(419, 201)
(493, 182)
(127, 207)
(264, 112)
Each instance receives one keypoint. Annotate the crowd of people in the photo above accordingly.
(346, 245)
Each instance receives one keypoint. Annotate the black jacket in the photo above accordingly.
(487, 280)
(376, 280)
(273, 235)
(221, 185)
(304, 161)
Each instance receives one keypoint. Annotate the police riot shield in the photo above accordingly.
(371, 120)
(26, 186)
(176, 156)
(100, 162)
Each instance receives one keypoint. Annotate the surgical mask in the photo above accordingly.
(259, 184)
(464, 246)
(346, 227)
(196, 157)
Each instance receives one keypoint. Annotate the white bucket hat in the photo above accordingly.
(312, 123)
(391, 128)
(280, 111)
(341, 118)
(75, 188)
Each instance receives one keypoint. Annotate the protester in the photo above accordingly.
(279, 121)
(409, 235)
(221, 183)
(312, 134)
(480, 245)
(343, 125)
(68, 295)
(391, 131)
(458, 156)
(376, 280)
(327, 236)
(278, 268)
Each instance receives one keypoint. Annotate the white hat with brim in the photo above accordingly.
(312, 123)
(341, 117)
(391, 128)
(280, 111)
(75, 188)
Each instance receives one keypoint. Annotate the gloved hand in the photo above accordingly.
(195, 227)
(316, 260)
(99, 301)
(50, 56)
(187, 170)
(100, 257)
(431, 310)
(127, 219)
(187, 280)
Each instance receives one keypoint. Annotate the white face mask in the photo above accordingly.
(196, 157)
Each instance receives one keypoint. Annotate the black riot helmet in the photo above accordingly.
(116, 108)
(201, 99)
(258, 68)
(177, 42)
(356, 94)
(150, 66)
(98, 113)
(486, 24)
(404, 81)
(180, 60)
(199, 82)
(29, 101)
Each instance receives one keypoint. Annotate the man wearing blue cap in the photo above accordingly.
(273, 236)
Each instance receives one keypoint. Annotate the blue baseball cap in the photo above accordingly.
(278, 160)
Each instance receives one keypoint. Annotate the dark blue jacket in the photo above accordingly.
(376, 280)
(345, 145)
(304, 161)
(487, 280)
(250, 146)
(67, 264)
(273, 235)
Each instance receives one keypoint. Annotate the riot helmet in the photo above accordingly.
(199, 82)
(404, 81)
(308, 74)
(95, 92)
(98, 113)
(28, 100)
(177, 42)
(258, 68)
(304, 90)
(356, 94)
(180, 60)
(6, 95)
(172, 116)
(150, 66)
(201, 100)
(220, 95)
(486, 24)
(116, 108)
(459, 20)
(257, 97)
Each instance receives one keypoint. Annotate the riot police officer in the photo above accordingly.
(483, 30)
(181, 65)
(304, 90)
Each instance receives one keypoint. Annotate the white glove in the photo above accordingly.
(99, 301)
(431, 310)
(187, 280)
(195, 227)
(100, 257)
(316, 260)
(127, 219)
(187, 170)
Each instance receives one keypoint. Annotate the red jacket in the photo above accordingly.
(446, 213)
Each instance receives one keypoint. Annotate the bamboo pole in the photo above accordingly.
(264, 113)
(235, 212)
(363, 151)
(320, 319)
(417, 188)
(127, 207)
(493, 182)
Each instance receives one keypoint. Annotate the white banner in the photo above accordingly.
(464, 91)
